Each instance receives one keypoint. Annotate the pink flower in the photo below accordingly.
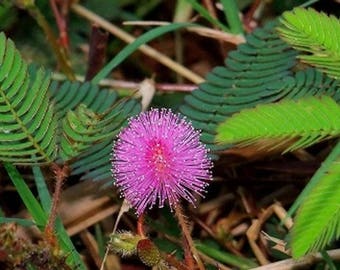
(158, 158)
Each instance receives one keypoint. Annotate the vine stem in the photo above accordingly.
(186, 233)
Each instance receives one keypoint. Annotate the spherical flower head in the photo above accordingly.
(158, 158)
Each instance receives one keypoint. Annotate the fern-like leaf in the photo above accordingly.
(300, 123)
(315, 34)
(261, 71)
(318, 220)
(88, 119)
(69, 95)
(94, 162)
(27, 122)
(84, 128)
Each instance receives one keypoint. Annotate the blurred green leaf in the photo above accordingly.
(212, 250)
(132, 47)
(20, 221)
(205, 14)
(8, 14)
(31, 203)
(62, 236)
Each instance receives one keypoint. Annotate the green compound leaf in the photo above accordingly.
(89, 118)
(80, 129)
(318, 220)
(95, 163)
(316, 35)
(257, 72)
(299, 123)
(68, 95)
(83, 128)
(27, 123)
(261, 71)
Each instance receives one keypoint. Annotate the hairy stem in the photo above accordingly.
(60, 175)
(186, 233)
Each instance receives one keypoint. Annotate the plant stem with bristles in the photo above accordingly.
(186, 233)
(61, 174)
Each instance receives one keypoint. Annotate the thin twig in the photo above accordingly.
(151, 52)
(61, 21)
(203, 31)
(290, 264)
(210, 7)
(97, 52)
(173, 261)
(120, 84)
(212, 11)
(248, 17)
(60, 53)
(124, 208)
(204, 257)
(91, 246)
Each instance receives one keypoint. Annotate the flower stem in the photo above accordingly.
(186, 233)
(140, 226)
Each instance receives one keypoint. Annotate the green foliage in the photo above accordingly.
(88, 119)
(298, 124)
(132, 47)
(281, 103)
(296, 107)
(94, 163)
(8, 14)
(28, 124)
(232, 15)
(38, 118)
(318, 220)
(45, 121)
(205, 14)
(260, 71)
(213, 250)
(39, 212)
(316, 35)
